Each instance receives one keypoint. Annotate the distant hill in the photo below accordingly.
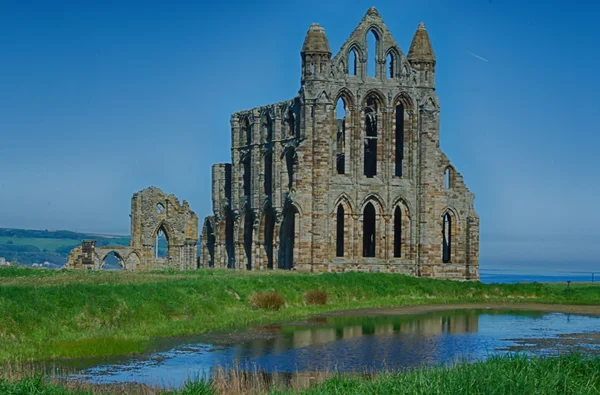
(28, 247)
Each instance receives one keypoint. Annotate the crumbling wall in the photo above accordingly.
(151, 211)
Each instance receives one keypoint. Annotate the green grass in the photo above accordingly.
(55, 314)
(572, 374)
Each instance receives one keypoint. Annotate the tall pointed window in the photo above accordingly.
(448, 178)
(369, 231)
(390, 65)
(340, 157)
(339, 237)
(161, 244)
(399, 139)
(247, 131)
(352, 62)
(370, 139)
(372, 44)
(269, 157)
(447, 239)
(397, 232)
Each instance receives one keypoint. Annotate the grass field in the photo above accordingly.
(54, 314)
(40, 243)
(513, 374)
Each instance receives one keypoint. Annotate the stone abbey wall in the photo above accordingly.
(152, 212)
(349, 174)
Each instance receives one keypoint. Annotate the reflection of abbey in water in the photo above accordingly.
(349, 174)
(357, 342)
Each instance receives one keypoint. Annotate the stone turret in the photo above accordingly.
(421, 56)
(316, 54)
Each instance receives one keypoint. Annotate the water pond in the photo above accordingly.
(351, 343)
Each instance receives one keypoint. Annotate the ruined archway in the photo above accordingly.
(112, 261)
(288, 237)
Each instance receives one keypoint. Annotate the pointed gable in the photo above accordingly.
(357, 40)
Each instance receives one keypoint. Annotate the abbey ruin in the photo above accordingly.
(349, 174)
(154, 215)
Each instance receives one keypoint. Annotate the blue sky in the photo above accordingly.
(100, 100)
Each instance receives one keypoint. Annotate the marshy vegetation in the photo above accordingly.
(510, 374)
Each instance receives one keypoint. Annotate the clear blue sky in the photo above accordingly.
(100, 100)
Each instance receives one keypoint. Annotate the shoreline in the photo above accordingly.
(418, 309)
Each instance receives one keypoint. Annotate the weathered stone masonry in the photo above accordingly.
(349, 174)
(152, 213)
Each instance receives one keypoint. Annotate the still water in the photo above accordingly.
(354, 344)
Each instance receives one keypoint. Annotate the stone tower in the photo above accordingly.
(349, 174)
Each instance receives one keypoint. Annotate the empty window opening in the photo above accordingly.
(312, 69)
(340, 157)
(112, 262)
(448, 178)
(269, 127)
(288, 239)
(339, 237)
(248, 131)
(268, 237)
(291, 122)
(372, 44)
(447, 238)
(229, 246)
(228, 182)
(370, 139)
(268, 172)
(160, 208)
(290, 159)
(397, 233)
(210, 244)
(248, 227)
(247, 178)
(161, 244)
(369, 231)
(399, 139)
(390, 65)
(352, 62)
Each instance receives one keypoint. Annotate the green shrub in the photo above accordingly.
(266, 300)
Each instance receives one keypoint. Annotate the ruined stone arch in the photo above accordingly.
(405, 99)
(394, 53)
(168, 229)
(209, 238)
(102, 257)
(266, 233)
(379, 97)
(359, 59)
(133, 260)
(378, 203)
(346, 95)
(289, 235)
(346, 201)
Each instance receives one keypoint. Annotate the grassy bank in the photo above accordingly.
(498, 375)
(53, 314)
(570, 374)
